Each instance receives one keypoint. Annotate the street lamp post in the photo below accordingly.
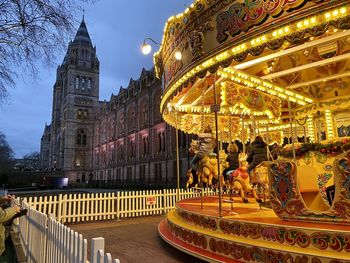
(146, 49)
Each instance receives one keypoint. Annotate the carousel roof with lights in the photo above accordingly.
(264, 59)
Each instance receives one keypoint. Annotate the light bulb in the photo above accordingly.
(146, 48)
(178, 55)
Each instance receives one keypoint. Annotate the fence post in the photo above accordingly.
(108, 258)
(117, 205)
(100, 255)
(164, 201)
(84, 252)
(96, 244)
(63, 209)
(59, 210)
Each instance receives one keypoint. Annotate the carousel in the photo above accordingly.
(279, 70)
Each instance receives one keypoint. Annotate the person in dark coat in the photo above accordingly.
(232, 158)
(257, 153)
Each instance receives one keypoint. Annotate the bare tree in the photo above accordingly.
(32, 31)
(32, 160)
(6, 155)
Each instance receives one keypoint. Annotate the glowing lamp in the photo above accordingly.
(178, 55)
(146, 48)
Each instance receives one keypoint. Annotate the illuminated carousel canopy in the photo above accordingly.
(243, 100)
(263, 57)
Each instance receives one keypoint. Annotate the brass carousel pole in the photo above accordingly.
(177, 159)
(220, 140)
(216, 109)
(291, 131)
(267, 142)
(242, 134)
(319, 135)
(254, 129)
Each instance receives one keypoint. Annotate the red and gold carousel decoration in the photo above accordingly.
(279, 69)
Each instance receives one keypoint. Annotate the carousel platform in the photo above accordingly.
(246, 233)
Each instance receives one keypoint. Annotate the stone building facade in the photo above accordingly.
(123, 141)
(132, 144)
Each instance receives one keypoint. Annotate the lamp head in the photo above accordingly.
(146, 48)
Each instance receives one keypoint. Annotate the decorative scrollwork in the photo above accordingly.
(199, 220)
(255, 254)
(292, 237)
(333, 241)
(188, 236)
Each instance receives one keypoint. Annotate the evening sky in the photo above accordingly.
(117, 28)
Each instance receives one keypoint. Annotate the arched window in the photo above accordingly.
(83, 84)
(89, 84)
(131, 119)
(82, 114)
(159, 142)
(77, 82)
(81, 137)
(144, 141)
(121, 148)
(163, 142)
(156, 113)
(79, 114)
(144, 114)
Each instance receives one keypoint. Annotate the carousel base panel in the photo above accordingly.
(246, 233)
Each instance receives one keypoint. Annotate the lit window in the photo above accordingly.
(83, 84)
(79, 114)
(77, 83)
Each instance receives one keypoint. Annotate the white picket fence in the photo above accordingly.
(45, 240)
(75, 208)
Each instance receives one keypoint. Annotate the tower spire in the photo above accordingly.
(82, 36)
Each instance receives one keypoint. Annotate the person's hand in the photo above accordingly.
(17, 208)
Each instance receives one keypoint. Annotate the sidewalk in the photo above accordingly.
(134, 241)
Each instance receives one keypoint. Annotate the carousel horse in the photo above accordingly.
(191, 180)
(207, 167)
(239, 180)
(189, 177)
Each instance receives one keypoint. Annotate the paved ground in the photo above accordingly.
(134, 240)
